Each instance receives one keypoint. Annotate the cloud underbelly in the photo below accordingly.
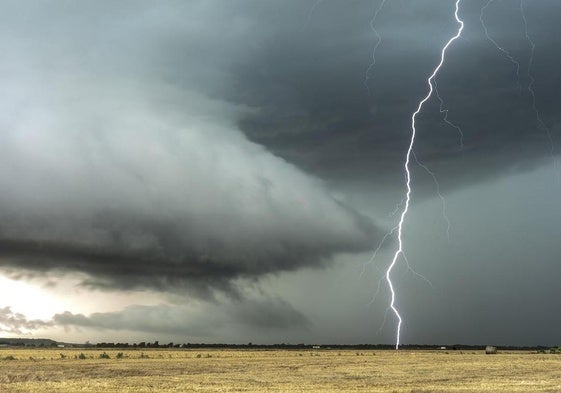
(136, 197)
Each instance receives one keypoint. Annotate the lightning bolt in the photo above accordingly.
(507, 54)
(440, 196)
(540, 123)
(539, 120)
(447, 121)
(375, 253)
(311, 12)
(376, 44)
(399, 251)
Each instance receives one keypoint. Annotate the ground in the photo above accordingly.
(65, 370)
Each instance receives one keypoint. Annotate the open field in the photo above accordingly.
(62, 370)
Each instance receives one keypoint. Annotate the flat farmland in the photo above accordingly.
(85, 370)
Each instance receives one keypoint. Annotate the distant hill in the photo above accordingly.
(27, 342)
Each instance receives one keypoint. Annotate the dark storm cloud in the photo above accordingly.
(16, 323)
(121, 160)
(122, 147)
(195, 145)
(215, 320)
(314, 108)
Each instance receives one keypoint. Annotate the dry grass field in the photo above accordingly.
(62, 370)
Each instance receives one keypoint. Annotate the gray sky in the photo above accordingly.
(222, 171)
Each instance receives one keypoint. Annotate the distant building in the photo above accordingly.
(316, 346)
(442, 348)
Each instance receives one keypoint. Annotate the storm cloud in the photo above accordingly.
(216, 320)
(321, 109)
(113, 170)
(244, 152)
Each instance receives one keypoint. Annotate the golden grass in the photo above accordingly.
(45, 370)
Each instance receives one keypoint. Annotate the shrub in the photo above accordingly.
(104, 356)
(81, 356)
(120, 355)
(9, 357)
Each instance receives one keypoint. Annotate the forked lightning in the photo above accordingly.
(409, 154)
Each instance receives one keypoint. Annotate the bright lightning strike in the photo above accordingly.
(399, 251)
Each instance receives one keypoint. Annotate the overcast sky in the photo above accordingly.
(222, 171)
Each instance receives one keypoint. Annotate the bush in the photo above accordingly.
(9, 357)
(81, 356)
(104, 356)
(120, 355)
